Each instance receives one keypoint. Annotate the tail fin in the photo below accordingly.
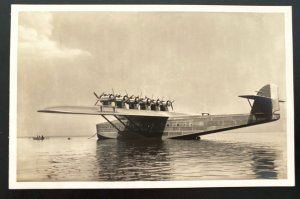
(266, 101)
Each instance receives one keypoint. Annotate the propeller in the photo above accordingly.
(125, 98)
(157, 101)
(118, 96)
(112, 96)
(136, 99)
(151, 101)
(146, 100)
(98, 97)
(129, 99)
(170, 103)
(132, 100)
(143, 100)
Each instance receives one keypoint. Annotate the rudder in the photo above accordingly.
(269, 104)
(266, 101)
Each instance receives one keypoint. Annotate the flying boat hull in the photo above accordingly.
(183, 127)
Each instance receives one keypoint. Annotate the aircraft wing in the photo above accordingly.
(96, 110)
(71, 110)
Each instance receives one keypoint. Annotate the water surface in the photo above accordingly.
(219, 157)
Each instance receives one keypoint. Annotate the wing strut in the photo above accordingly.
(126, 126)
(249, 103)
(110, 122)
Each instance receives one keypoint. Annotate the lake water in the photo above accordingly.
(223, 156)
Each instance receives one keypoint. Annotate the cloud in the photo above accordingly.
(35, 30)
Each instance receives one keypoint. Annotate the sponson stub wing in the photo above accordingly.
(95, 110)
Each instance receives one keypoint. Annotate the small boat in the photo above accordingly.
(38, 137)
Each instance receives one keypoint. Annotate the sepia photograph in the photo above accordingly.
(115, 96)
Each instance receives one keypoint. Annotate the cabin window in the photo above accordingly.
(167, 124)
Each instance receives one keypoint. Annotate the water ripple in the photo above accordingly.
(82, 159)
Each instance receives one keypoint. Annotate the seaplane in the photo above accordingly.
(143, 117)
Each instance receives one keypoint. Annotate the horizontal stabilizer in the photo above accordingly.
(253, 97)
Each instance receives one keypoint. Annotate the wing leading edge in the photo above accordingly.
(95, 110)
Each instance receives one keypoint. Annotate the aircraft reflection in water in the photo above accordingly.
(137, 117)
(131, 160)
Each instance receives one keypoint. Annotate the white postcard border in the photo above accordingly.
(13, 184)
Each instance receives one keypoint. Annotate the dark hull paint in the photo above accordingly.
(183, 127)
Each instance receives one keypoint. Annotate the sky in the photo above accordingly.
(203, 60)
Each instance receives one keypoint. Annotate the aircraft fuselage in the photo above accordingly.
(181, 127)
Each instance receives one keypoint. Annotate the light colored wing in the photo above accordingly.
(95, 110)
(72, 110)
